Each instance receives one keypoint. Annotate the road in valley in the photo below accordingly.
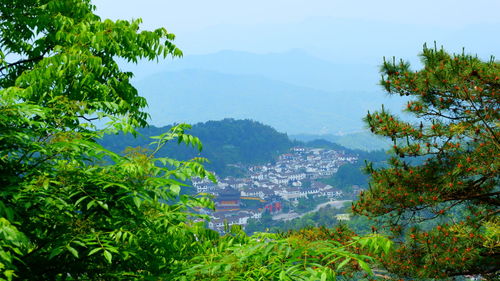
(290, 216)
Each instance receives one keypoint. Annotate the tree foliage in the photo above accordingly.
(325, 217)
(443, 209)
(308, 254)
(68, 207)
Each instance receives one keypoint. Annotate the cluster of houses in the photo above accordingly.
(294, 175)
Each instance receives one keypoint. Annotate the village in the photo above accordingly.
(271, 187)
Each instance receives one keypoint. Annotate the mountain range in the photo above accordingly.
(292, 91)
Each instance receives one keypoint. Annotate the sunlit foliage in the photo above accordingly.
(440, 194)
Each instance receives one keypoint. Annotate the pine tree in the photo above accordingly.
(439, 195)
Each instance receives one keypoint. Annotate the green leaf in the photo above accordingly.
(80, 243)
(90, 204)
(323, 276)
(80, 200)
(72, 251)
(282, 275)
(363, 242)
(55, 252)
(137, 201)
(103, 205)
(387, 246)
(175, 189)
(107, 256)
(46, 183)
(93, 251)
(343, 263)
(365, 267)
(10, 274)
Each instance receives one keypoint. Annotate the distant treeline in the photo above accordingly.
(225, 143)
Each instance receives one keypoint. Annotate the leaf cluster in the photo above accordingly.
(304, 255)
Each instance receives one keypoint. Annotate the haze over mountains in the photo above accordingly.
(314, 74)
(294, 66)
(294, 92)
(324, 85)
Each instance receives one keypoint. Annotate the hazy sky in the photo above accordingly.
(188, 15)
(342, 31)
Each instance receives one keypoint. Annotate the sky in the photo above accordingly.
(356, 31)
(188, 15)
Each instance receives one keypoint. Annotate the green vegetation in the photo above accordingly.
(72, 210)
(325, 217)
(305, 205)
(244, 142)
(309, 254)
(349, 174)
(454, 187)
(69, 209)
(225, 142)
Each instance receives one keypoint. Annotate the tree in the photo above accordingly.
(440, 193)
(70, 209)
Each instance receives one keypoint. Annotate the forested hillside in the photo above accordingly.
(226, 144)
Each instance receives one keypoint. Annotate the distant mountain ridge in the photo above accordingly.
(294, 92)
(196, 96)
(294, 67)
(360, 140)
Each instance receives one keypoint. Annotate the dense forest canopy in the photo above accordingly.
(225, 143)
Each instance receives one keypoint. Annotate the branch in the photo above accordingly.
(87, 118)
(21, 62)
(492, 269)
(488, 128)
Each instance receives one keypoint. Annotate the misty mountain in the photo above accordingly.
(197, 95)
(361, 140)
(295, 67)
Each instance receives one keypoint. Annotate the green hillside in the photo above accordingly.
(228, 141)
